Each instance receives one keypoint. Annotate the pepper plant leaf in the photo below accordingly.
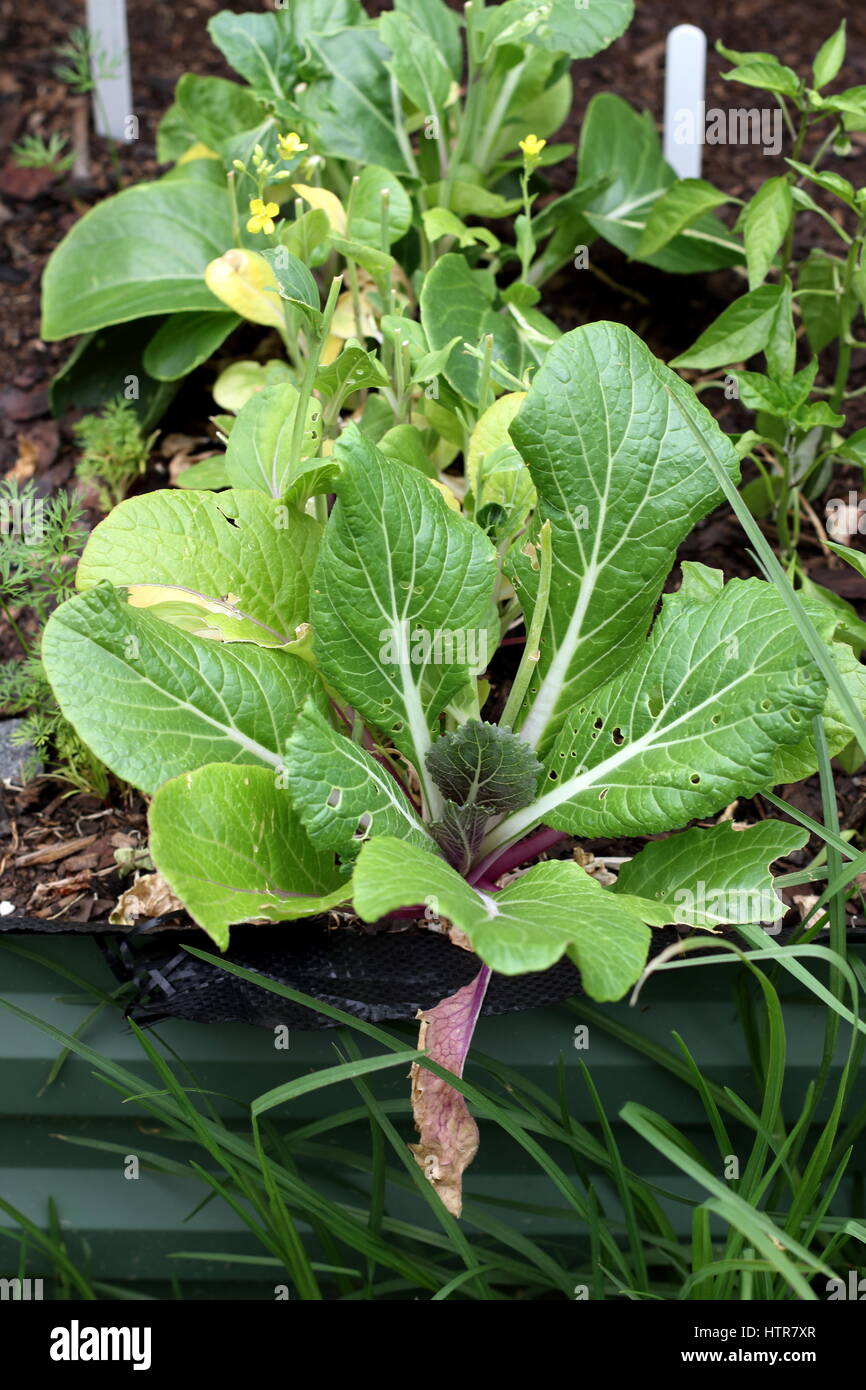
(230, 844)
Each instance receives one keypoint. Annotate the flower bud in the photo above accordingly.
(245, 282)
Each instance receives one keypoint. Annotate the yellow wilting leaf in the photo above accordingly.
(245, 282)
(327, 201)
(197, 151)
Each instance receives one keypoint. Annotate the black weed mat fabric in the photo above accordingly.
(372, 976)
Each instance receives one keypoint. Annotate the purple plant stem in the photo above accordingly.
(511, 858)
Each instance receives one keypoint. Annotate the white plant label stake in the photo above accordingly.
(685, 77)
(112, 98)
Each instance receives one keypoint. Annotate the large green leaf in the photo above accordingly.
(552, 910)
(144, 251)
(442, 25)
(678, 208)
(401, 593)
(366, 223)
(622, 481)
(259, 47)
(239, 544)
(350, 109)
(456, 302)
(708, 877)
(231, 846)
(153, 701)
(418, 64)
(623, 147)
(561, 26)
(259, 452)
(218, 111)
(694, 722)
(184, 341)
(341, 793)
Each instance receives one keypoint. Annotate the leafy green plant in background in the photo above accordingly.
(40, 541)
(350, 145)
(799, 424)
(303, 694)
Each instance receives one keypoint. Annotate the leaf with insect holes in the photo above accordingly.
(552, 910)
(705, 878)
(695, 721)
(621, 479)
(341, 793)
(232, 847)
(484, 764)
(240, 547)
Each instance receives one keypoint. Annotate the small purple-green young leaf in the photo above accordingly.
(484, 765)
(459, 832)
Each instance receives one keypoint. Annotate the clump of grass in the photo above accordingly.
(114, 450)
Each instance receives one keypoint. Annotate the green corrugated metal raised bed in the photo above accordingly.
(131, 1228)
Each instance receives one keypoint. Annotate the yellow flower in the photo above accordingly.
(263, 215)
(291, 144)
(531, 147)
